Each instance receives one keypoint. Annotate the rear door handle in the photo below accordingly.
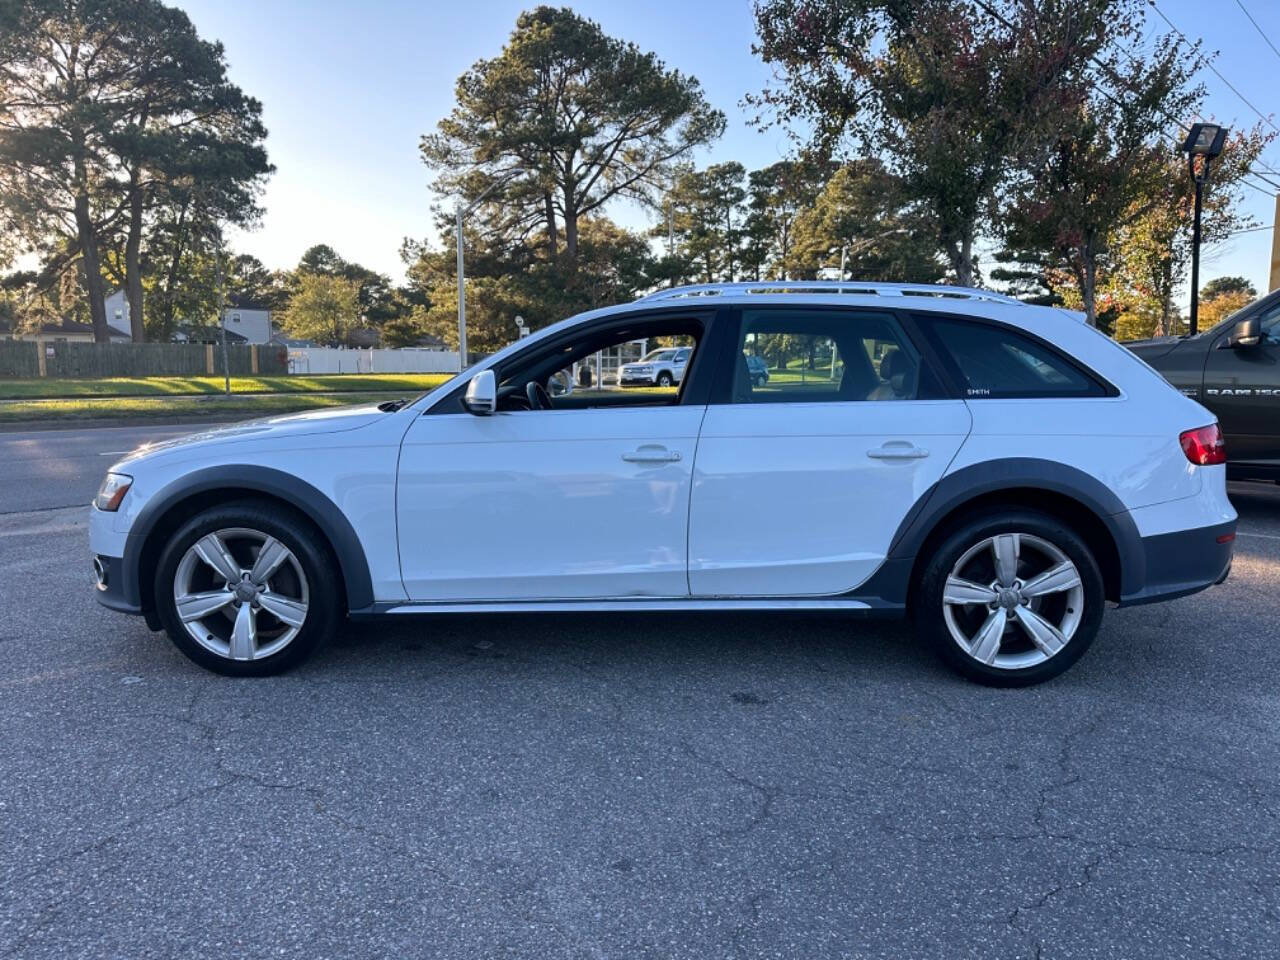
(898, 450)
(651, 453)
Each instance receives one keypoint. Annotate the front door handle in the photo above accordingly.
(898, 450)
(651, 453)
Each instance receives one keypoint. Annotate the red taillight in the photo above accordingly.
(1204, 446)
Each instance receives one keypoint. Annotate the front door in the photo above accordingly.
(576, 496)
(802, 480)
(1242, 387)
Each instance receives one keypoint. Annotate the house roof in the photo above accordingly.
(65, 327)
(235, 303)
(211, 334)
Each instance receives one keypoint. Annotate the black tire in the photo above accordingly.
(665, 379)
(928, 606)
(760, 379)
(324, 610)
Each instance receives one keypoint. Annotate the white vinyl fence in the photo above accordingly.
(309, 360)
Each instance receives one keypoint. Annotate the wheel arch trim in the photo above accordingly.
(307, 499)
(978, 480)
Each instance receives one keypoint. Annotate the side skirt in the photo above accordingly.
(629, 605)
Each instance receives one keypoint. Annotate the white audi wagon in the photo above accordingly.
(997, 472)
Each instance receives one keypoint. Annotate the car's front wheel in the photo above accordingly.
(665, 379)
(1011, 598)
(247, 589)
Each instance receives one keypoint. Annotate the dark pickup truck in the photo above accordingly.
(1234, 370)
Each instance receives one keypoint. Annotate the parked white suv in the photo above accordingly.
(660, 368)
(996, 470)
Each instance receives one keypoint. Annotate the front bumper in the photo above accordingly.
(113, 588)
(1184, 562)
(110, 588)
(635, 381)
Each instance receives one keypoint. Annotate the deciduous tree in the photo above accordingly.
(323, 308)
(948, 93)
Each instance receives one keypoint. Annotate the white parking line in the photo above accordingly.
(1264, 536)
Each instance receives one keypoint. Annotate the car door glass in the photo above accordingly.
(634, 367)
(821, 356)
(1271, 327)
(994, 361)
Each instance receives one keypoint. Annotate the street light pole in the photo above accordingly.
(1195, 246)
(1203, 140)
(462, 279)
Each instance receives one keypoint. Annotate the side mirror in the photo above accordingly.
(482, 394)
(1247, 333)
(560, 384)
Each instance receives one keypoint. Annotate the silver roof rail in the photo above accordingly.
(828, 287)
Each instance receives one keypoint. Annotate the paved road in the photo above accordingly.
(45, 469)
(700, 787)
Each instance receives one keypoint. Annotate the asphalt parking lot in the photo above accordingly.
(589, 786)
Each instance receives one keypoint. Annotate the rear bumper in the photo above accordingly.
(1183, 562)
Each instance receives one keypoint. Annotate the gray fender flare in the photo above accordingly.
(992, 476)
(316, 506)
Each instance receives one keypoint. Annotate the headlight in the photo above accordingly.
(112, 491)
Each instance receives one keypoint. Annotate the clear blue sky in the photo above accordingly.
(348, 91)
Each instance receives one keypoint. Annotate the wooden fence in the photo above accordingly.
(60, 358)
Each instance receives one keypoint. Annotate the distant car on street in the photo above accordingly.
(660, 368)
(1234, 370)
(759, 370)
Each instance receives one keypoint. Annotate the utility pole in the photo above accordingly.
(462, 279)
(1275, 248)
(462, 300)
(222, 318)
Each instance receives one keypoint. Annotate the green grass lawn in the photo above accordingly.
(161, 408)
(54, 388)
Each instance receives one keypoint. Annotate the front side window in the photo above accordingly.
(1271, 326)
(819, 356)
(636, 364)
(994, 361)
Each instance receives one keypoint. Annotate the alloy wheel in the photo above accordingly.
(240, 593)
(1013, 601)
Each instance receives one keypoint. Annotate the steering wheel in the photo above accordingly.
(539, 399)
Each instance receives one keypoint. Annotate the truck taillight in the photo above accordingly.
(1204, 446)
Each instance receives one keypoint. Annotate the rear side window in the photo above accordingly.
(995, 361)
(825, 356)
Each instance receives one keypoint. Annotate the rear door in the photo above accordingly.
(801, 482)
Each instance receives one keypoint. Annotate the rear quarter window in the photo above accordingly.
(995, 361)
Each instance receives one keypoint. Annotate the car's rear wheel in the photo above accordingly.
(1011, 598)
(665, 379)
(247, 589)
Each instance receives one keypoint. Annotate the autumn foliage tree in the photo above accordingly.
(948, 94)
